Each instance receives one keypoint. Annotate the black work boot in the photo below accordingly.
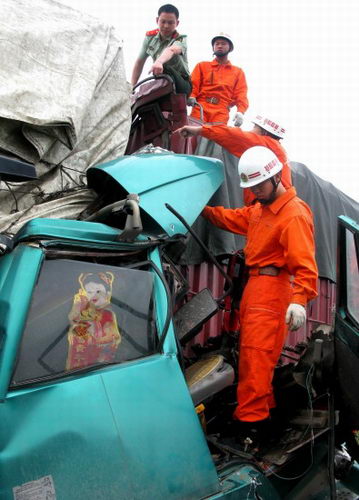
(252, 435)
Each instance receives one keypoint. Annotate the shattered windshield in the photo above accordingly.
(84, 315)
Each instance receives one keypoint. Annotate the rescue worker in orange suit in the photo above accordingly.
(265, 132)
(168, 50)
(218, 85)
(280, 255)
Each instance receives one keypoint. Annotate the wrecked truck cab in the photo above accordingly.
(93, 398)
(98, 398)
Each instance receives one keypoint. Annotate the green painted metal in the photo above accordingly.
(169, 346)
(5, 265)
(14, 304)
(109, 433)
(124, 431)
(185, 182)
(65, 229)
(349, 223)
(128, 431)
(117, 432)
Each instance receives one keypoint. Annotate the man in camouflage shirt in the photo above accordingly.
(168, 50)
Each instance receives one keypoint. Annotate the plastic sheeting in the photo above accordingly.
(326, 201)
(64, 105)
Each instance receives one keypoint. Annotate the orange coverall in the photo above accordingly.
(237, 142)
(225, 84)
(282, 235)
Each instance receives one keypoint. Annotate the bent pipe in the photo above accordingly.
(210, 255)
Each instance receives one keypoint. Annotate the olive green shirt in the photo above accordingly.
(154, 45)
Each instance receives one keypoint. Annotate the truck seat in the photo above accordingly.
(208, 376)
(157, 112)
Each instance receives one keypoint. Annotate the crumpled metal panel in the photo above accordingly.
(185, 182)
(124, 432)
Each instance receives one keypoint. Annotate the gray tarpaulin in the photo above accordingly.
(64, 105)
(326, 201)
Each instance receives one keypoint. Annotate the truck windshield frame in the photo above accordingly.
(83, 316)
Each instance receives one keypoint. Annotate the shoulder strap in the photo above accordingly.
(152, 32)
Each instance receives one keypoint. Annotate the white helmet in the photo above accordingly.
(226, 37)
(270, 126)
(257, 164)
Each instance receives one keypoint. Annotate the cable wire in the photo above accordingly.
(308, 384)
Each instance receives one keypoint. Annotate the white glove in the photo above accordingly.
(238, 119)
(295, 316)
(191, 101)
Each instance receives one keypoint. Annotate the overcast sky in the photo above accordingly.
(300, 57)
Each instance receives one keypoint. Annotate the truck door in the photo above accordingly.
(347, 327)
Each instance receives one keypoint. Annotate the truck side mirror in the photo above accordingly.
(190, 318)
(14, 170)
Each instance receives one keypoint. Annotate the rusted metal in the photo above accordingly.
(319, 311)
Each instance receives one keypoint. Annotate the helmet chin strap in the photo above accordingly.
(274, 191)
(274, 183)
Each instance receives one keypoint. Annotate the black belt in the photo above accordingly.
(266, 270)
(212, 100)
